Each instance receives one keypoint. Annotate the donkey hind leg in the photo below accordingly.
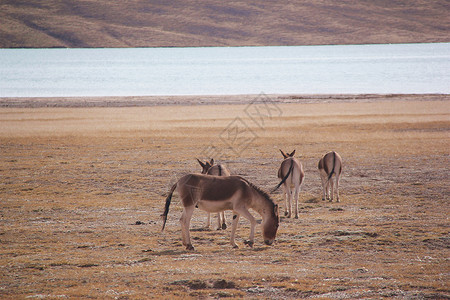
(245, 213)
(337, 188)
(224, 224)
(208, 221)
(233, 228)
(324, 187)
(285, 192)
(185, 221)
(221, 221)
(332, 189)
(287, 202)
(297, 189)
(327, 189)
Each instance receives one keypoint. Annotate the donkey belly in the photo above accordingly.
(214, 206)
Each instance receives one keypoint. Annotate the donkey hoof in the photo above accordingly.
(286, 213)
(189, 247)
(249, 243)
(224, 226)
(296, 217)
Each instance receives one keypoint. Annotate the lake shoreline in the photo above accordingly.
(190, 100)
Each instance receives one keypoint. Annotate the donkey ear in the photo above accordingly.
(201, 164)
(292, 154)
(211, 161)
(284, 154)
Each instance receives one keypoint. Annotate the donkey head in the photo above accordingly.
(287, 155)
(206, 165)
(270, 226)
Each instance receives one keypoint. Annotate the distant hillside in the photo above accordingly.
(154, 23)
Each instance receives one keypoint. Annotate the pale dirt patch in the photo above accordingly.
(82, 190)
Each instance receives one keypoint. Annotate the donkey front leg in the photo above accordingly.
(233, 229)
(245, 213)
(185, 221)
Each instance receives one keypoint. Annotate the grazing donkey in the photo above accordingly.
(291, 175)
(216, 194)
(219, 170)
(330, 164)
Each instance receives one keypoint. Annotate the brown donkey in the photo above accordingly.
(218, 170)
(216, 194)
(330, 164)
(291, 175)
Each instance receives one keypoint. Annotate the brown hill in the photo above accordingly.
(134, 23)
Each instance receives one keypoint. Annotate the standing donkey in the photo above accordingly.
(330, 164)
(219, 193)
(210, 168)
(291, 175)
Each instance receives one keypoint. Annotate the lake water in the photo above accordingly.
(390, 68)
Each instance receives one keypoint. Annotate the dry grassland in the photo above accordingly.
(82, 190)
(191, 23)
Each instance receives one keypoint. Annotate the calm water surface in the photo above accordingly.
(397, 68)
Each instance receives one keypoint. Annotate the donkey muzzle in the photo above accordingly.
(268, 242)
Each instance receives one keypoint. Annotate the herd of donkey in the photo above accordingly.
(215, 190)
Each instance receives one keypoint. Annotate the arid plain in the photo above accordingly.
(82, 189)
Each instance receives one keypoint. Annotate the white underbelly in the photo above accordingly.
(214, 206)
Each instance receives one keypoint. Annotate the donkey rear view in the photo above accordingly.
(330, 164)
(291, 175)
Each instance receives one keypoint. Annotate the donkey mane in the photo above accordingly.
(260, 191)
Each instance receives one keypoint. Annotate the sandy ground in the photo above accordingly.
(82, 188)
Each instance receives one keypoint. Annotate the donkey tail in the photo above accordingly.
(166, 207)
(334, 166)
(285, 177)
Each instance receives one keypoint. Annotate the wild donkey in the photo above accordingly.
(291, 175)
(219, 170)
(330, 164)
(216, 194)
